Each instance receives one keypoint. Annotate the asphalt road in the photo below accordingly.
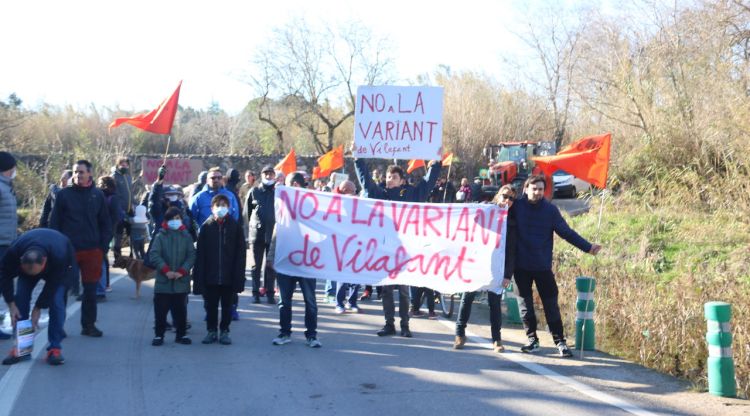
(355, 372)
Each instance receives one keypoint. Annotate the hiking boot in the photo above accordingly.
(459, 343)
(532, 346)
(256, 299)
(497, 346)
(563, 350)
(183, 340)
(313, 343)
(91, 331)
(12, 358)
(387, 331)
(54, 357)
(405, 332)
(210, 338)
(235, 314)
(157, 341)
(224, 338)
(282, 339)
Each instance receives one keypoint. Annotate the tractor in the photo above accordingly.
(511, 163)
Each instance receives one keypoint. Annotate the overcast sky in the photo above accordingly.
(133, 54)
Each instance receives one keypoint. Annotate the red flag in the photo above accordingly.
(288, 164)
(448, 159)
(316, 173)
(414, 164)
(331, 161)
(158, 120)
(587, 159)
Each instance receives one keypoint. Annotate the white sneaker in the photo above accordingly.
(340, 310)
(313, 343)
(354, 309)
(282, 339)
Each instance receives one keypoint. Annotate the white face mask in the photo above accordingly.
(13, 175)
(269, 182)
(221, 212)
(172, 198)
(174, 224)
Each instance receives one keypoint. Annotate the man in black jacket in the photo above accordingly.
(261, 219)
(219, 270)
(82, 215)
(395, 190)
(40, 254)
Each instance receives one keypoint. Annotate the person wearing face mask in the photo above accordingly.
(8, 207)
(125, 197)
(173, 255)
(261, 219)
(504, 199)
(219, 268)
(49, 202)
(81, 214)
(200, 203)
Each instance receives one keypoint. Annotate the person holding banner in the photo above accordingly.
(346, 187)
(504, 199)
(40, 254)
(396, 190)
(261, 220)
(287, 285)
(537, 219)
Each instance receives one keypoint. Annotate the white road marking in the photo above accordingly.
(12, 382)
(523, 361)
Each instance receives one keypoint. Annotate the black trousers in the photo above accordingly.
(464, 313)
(170, 302)
(260, 250)
(416, 298)
(548, 292)
(213, 296)
(88, 304)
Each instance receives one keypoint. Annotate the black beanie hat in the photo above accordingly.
(7, 161)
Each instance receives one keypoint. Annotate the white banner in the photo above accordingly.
(398, 122)
(451, 248)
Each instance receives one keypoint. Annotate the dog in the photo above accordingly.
(137, 271)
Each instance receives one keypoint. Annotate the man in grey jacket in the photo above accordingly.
(126, 199)
(8, 207)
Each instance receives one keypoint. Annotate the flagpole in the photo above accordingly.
(169, 140)
(598, 233)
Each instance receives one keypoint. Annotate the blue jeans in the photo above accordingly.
(341, 294)
(287, 285)
(24, 288)
(330, 288)
(101, 287)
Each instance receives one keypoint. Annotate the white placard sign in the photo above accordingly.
(393, 122)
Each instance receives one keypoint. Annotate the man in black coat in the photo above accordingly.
(261, 218)
(81, 214)
(219, 270)
(40, 254)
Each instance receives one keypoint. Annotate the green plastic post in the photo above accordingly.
(721, 381)
(511, 303)
(585, 305)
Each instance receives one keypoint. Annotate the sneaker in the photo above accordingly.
(210, 338)
(281, 340)
(12, 358)
(256, 299)
(497, 346)
(224, 338)
(367, 295)
(91, 331)
(54, 357)
(405, 332)
(235, 314)
(432, 315)
(108, 289)
(183, 340)
(354, 309)
(387, 331)
(340, 310)
(313, 343)
(459, 343)
(532, 346)
(563, 350)
(157, 341)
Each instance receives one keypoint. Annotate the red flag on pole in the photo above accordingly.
(288, 164)
(587, 159)
(448, 159)
(158, 120)
(331, 161)
(414, 164)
